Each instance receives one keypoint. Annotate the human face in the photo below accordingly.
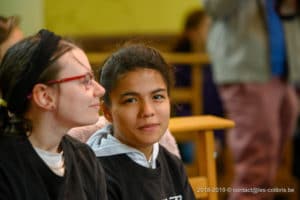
(77, 101)
(140, 108)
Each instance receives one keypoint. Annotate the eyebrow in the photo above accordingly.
(137, 94)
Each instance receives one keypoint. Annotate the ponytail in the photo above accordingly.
(12, 125)
(4, 118)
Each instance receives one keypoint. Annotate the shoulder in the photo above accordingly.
(163, 152)
(77, 149)
(12, 163)
(119, 166)
(5, 143)
(81, 156)
(7, 150)
(114, 173)
(170, 161)
(74, 143)
(175, 168)
(11, 147)
(113, 163)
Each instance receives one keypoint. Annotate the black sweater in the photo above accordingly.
(127, 180)
(25, 176)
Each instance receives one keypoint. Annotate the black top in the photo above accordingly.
(127, 180)
(25, 176)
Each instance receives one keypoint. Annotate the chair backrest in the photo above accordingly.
(199, 129)
(192, 94)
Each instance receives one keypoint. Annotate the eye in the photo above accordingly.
(129, 100)
(88, 79)
(159, 97)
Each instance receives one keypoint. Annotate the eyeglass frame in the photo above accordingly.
(67, 79)
(71, 78)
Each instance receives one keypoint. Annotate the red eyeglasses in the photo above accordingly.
(88, 79)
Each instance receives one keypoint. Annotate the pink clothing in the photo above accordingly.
(83, 133)
(265, 115)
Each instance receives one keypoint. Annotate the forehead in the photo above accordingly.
(141, 79)
(74, 61)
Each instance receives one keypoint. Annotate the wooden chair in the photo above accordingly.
(200, 130)
(192, 94)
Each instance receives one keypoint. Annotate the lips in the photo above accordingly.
(96, 105)
(149, 127)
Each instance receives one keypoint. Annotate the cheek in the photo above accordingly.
(164, 111)
(69, 97)
(123, 123)
(122, 117)
(168, 106)
(167, 116)
(72, 101)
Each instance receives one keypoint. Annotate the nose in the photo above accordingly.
(98, 89)
(147, 109)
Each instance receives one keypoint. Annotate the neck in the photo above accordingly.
(46, 133)
(44, 142)
(147, 152)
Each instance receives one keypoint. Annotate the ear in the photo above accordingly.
(43, 96)
(106, 112)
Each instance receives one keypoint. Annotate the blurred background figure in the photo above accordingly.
(10, 33)
(194, 34)
(253, 47)
(193, 40)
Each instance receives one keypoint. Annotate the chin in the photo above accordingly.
(151, 141)
(88, 122)
(94, 120)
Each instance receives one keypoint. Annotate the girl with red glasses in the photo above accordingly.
(46, 89)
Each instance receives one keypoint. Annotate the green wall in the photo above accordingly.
(31, 13)
(112, 17)
(99, 17)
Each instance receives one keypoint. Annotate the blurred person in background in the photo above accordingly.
(10, 33)
(193, 40)
(253, 46)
